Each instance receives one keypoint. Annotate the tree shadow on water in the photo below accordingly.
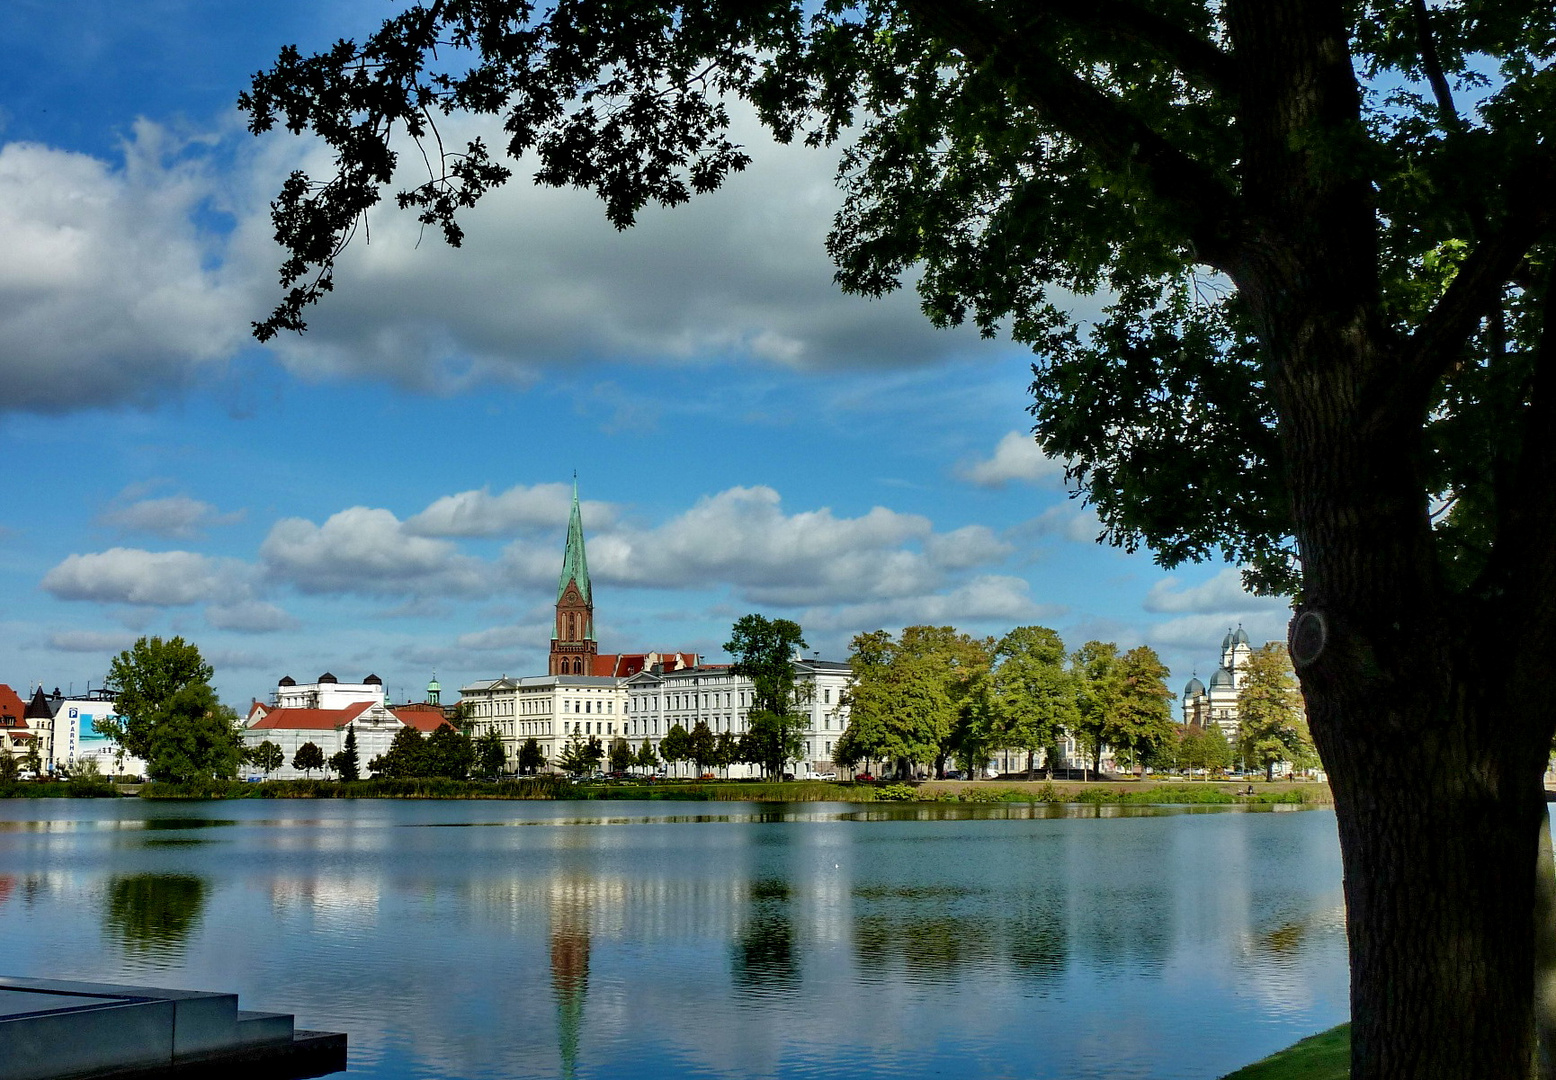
(151, 916)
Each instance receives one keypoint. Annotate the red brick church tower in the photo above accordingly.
(573, 646)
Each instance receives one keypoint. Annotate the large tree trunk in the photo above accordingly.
(1425, 700)
(1438, 834)
(1545, 954)
(1425, 705)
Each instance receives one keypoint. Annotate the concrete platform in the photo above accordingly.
(56, 1030)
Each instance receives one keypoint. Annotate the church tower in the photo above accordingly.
(573, 646)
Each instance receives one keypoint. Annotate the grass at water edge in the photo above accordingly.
(1325, 1056)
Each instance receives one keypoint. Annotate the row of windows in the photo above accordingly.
(650, 702)
(531, 706)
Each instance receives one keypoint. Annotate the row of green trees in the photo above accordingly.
(936, 696)
(448, 753)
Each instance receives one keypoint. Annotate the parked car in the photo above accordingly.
(864, 777)
(826, 776)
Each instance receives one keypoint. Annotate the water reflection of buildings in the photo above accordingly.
(341, 902)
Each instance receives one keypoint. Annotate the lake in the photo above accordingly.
(722, 940)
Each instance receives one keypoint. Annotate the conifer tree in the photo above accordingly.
(351, 763)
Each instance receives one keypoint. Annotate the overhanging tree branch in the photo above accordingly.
(1196, 59)
(1114, 134)
(1477, 288)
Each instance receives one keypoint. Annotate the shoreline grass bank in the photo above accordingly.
(1325, 1056)
(1127, 793)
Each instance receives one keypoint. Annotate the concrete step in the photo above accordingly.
(255, 1028)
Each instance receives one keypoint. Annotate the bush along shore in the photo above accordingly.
(528, 787)
(82, 787)
(558, 787)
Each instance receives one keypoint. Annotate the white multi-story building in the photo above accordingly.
(76, 741)
(327, 692)
(1218, 705)
(375, 725)
(715, 695)
(547, 708)
(551, 709)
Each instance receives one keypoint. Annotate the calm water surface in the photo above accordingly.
(563, 940)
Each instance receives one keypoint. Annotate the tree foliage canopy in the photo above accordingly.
(905, 701)
(267, 756)
(1270, 725)
(144, 680)
(309, 757)
(764, 651)
(167, 714)
(1034, 693)
(582, 755)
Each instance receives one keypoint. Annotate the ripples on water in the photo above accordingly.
(488, 939)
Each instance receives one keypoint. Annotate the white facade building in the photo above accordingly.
(715, 695)
(1218, 705)
(75, 742)
(551, 709)
(546, 708)
(375, 726)
(327, 692)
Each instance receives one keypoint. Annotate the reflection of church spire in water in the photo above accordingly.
(569, 975)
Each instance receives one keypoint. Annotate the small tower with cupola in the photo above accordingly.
(1235, 651)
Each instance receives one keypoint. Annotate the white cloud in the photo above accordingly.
(969, 546)
(543, 280)
(91, 641)
(368, 551)
(519, 509)
(1223, 594)
(504, 638)
(155, 578)
(172, 516)
(741, 537)
(990, 597)
(249, 616)
(1201, 635)
(1069, 520)
(105, 291)
(1017, 457)
(116, 290)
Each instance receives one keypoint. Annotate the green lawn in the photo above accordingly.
(1325, 1056)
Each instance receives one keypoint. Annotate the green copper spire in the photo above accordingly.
(575, 564)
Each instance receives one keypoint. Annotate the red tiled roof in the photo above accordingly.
(421, 716)
(12, 705)
(622, 665)
(310, 719)
(618, 664)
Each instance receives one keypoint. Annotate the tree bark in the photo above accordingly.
(1438, 834)
(1425, 702)
(1545, 955)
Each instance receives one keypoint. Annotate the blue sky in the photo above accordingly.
(389, 492)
